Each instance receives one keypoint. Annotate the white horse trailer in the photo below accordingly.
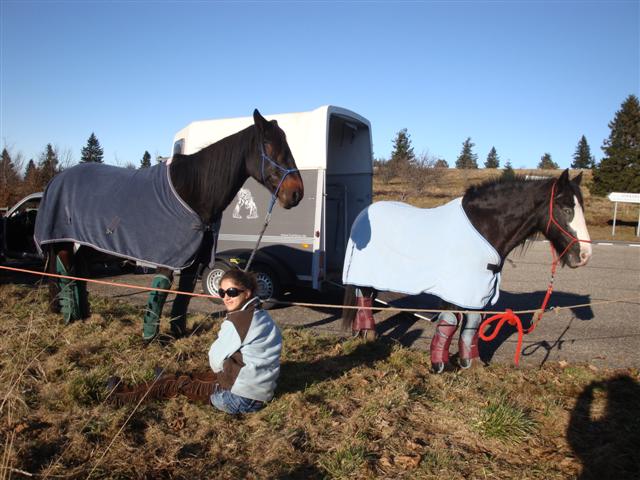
(304, 245)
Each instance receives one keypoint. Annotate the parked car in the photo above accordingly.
(16, 236)
(16, 231)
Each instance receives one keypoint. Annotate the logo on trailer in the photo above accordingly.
(245, 202)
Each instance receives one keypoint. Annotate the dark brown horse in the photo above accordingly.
(169, 215)
(504, 212)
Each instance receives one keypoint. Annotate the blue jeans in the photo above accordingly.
(231, 403)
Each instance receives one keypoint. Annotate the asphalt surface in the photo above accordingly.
(605, 335)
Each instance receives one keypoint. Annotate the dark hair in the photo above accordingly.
(241, 278)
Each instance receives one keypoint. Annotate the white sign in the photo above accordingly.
(624, 197)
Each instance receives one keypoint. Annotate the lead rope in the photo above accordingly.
(512, 318)
(274, 196)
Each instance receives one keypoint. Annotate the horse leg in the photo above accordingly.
(54, 283)
(82, 269)
(364, 324)
(468, 341)
(155, 303)
(188, 280)
(69, 290)
(445, 329)
(187, 283)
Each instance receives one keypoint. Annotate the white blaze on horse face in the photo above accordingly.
(579, 225)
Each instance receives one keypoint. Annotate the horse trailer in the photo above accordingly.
(305, 245)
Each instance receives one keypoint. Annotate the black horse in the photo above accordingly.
(464, 273)
(167, 215)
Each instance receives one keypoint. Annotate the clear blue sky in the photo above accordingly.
(527, 77)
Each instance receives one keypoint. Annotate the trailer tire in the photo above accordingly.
(268, 285)
(211, 280)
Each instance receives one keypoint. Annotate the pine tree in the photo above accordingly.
(546, 163)
(146, 160)
(508, 171)
(493, 161)
(467, 158)
(402, 155)
(92, 152)
(9, 180)
(31, 183)
(47, 166)
(582, 157)
(441, 163)
(619, 170)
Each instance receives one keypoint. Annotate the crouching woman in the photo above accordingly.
(246, 354)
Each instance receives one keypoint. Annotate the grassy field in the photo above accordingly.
(343, 409)
(451, 183)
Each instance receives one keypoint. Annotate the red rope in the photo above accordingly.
(507, 316)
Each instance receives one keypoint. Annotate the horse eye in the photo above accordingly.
(568, 211)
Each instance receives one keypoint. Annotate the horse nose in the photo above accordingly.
(585, 255)
(296, 197)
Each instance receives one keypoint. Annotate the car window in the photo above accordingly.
(28, 206)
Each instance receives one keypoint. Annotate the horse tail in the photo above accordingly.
(348, 314)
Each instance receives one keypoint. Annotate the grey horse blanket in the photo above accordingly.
(134, 214)
(397, 247)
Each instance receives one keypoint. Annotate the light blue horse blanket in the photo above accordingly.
(401, 248)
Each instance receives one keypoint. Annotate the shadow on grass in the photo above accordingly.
(297, 375)
(606, 440)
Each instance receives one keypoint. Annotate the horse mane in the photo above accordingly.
(496, 187)
(499, 184)
(216, 168)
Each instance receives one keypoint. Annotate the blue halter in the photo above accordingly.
(285, 171)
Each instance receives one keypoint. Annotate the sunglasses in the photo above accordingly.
(232, 292)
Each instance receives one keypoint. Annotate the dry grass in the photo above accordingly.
(452, 183)
(343, 409)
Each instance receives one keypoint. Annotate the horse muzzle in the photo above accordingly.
(581, 257)
(291, 191)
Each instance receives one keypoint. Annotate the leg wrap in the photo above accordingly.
(69, 295)
(445, 329)
(152, 314)
(364, 316)
(468, 342)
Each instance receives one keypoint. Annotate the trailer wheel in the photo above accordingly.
(268, 285)
(211, 280)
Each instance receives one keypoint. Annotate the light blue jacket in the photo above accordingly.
(246, 354)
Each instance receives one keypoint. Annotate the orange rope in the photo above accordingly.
(513, 320)
(103, 282)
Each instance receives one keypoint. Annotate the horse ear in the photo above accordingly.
(578, 179)
(564, 178)
(260, 122)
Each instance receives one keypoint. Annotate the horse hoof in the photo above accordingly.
(366, 334)
(438, 367)
(465, 363)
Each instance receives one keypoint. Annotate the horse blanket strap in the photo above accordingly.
(397, 247)
(134, 214)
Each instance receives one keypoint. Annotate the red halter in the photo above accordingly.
(512, 318)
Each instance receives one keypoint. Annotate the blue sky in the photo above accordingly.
(527, 77)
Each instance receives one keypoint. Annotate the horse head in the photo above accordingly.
(273, 164)
(566, 227)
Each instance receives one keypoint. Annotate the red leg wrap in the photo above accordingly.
(364, 316)
(441, 342)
